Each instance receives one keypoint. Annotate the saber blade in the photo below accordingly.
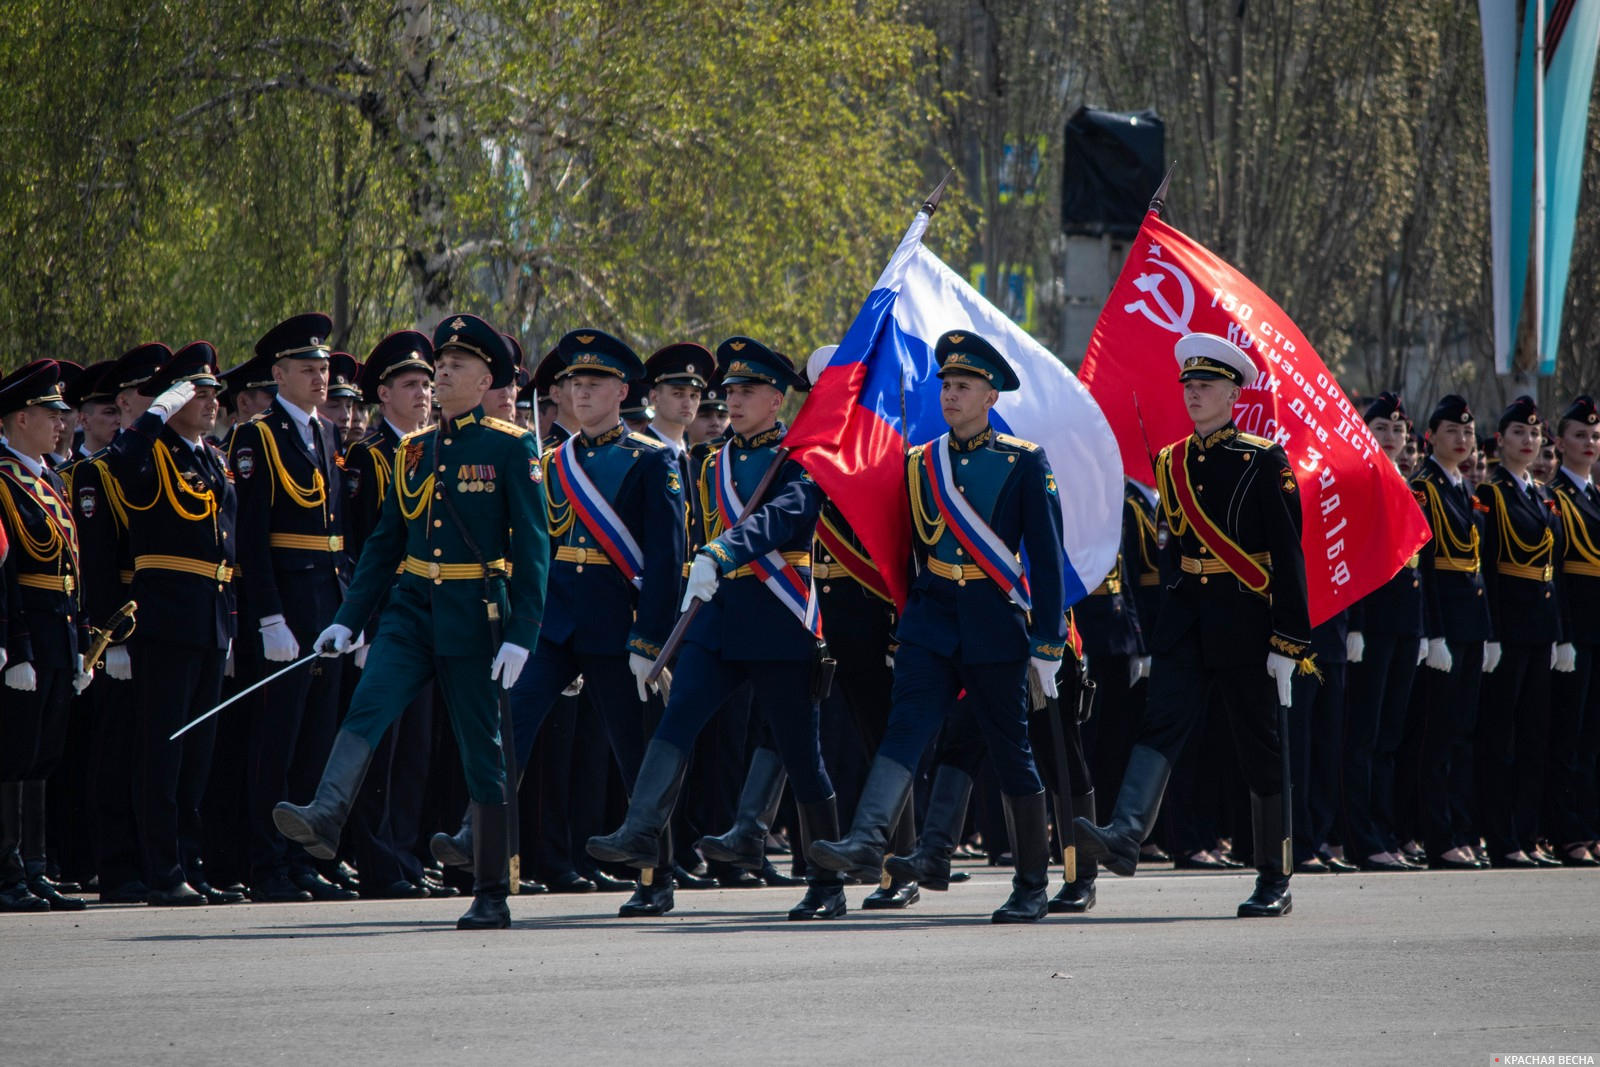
(302, 661)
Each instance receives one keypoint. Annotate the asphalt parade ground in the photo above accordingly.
(1436, 968)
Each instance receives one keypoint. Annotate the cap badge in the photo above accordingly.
(459, 324)
(585, 338)
(957, 338)
(737, 346)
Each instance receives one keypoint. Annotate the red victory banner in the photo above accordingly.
(1360, 522)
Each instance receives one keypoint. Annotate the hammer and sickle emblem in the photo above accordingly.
(1168, 318)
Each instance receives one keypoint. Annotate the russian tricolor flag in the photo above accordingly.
(879, 394)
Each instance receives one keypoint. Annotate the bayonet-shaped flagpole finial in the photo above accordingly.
(930, 205)
(1159, 201)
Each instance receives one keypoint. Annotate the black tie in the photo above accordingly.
(316, 445)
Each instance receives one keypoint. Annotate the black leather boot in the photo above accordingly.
(745, 845)
(14, 892)
(1030, 845)
(317, 826)
(33, 857)
(824, 897)
(491, 870)
(655, 898)
(1116, 847)
(897, 893)
(655, 791)
(1078, 895)
(1271, 898)
(861, 852)
(454, 850)
(929, 865)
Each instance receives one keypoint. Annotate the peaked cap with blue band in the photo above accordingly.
(597, 352)
(744, 360)
(964, 352)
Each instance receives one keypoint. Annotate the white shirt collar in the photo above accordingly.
(1454, 477)
(1581, 483)
(34, 466)
(398, 432)
(301, 417)
(677, 447)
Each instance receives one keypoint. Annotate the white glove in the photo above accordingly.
(641, 667)
(1045, 671)
(277, 643)
(82, 676)
(1422, 651)
(507, 664)
(702, 583)
(1138, 669)
(361, 657)
(1439, 655)
(575, 688)
(1281, 670)
(119, 664)
(22, 677)
(334, 641)
(1565, 659)
(4, 655)
(1491, 656)
(227, 665)
(174, 398)
(1355, 646)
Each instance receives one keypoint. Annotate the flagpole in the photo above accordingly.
(1159, 201)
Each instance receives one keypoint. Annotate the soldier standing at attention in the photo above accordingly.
(1455, 621)
(1519, 556)
(43, 634)
(975, 619)
(759, 623)
(1236, 582)
(463, 521)
(291, 549)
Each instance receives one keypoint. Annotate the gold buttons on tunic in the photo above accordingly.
(441, 468)
(437, 523)
(447, 440)
(438, 552)
(1204, 579)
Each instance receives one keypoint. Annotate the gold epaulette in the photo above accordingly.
(505, 427)
(645, 440)
(1015, 442)
(1252, 439)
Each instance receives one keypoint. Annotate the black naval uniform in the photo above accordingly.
(291, 547)
(1213, 631)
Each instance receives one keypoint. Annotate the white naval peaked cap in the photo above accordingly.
(818, 361)
(1205, 355)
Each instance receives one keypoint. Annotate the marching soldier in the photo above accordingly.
(45, 633)
(975, 620)
(1236, 592)
(711, 417)
(462, 521)
(1519, 554)
(1456, 623)
(180, 507)
(291, 550)
(344, 396)
(615, 502)
(1575, 694)
(759, 622)
(398, 377)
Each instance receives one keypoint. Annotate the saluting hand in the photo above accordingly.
(170, 401)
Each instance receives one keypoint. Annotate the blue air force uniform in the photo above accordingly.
(594, 616)
(745, 633)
